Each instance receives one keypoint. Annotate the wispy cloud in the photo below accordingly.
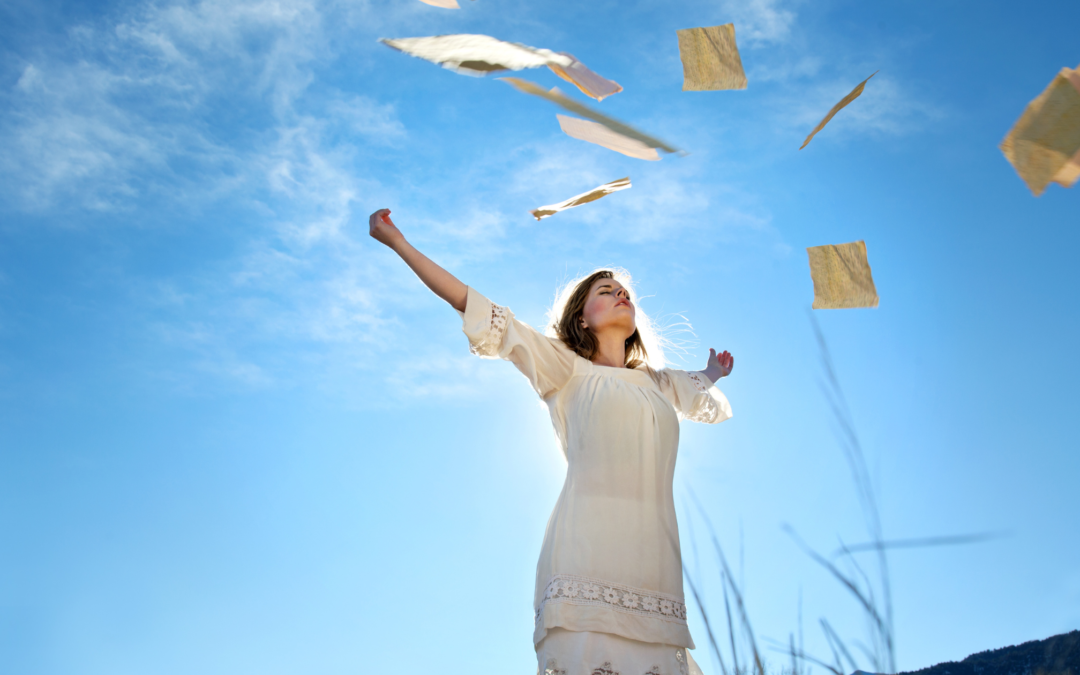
(186, 105)
(887, 107)
(810, 71)
(71, 143)
(760, 22)
(130, 117)
(105, 121)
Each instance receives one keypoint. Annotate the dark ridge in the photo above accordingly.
(1058, 655)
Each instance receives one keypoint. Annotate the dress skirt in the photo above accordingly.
(565, 652)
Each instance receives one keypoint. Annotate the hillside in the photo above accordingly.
(1058, 655)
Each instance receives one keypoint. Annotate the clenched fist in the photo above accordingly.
(383, 230)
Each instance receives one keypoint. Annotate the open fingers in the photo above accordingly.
(724, 358)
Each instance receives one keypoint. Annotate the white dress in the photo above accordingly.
(609, 594)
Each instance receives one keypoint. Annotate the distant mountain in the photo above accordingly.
(1059, 655)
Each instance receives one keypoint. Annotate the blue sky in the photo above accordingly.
(238, 436)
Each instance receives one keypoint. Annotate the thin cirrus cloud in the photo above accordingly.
(886, 107)
(104, 127)
(100, 123)
(70, 144)
(802, 66)
(759, 22)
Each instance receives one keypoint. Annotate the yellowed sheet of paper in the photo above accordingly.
(598, 134)
(1044, 144)
(710, 59)
(587, 81)
(565, 103)
(584, 198)
(841, 276)
(836, 108)
(447, 4)
(1068, 174)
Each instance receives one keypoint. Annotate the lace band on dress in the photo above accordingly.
(577, 590)
(489, 343)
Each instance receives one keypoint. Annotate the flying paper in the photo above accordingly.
(591, 132)
(836, 108)
(710, 59)
(841, 276)
(482, 54)
(590, 196)
(448, 4)
(1044, 144)
(475, 54)
(587, 81)
(562, 101)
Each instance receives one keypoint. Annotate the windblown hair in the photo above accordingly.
(642, 348)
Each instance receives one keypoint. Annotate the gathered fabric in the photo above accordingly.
(610, 562)
(564, 652)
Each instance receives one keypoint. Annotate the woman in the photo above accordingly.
(609, 595)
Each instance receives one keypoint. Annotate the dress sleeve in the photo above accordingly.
(694, 397)
(493, 332)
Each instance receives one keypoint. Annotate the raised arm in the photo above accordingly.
(442, 283)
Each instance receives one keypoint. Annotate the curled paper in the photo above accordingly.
(1044, 144)
(447, 4)
(565, 103)
(591, 132)
(475, 54)
(836, 108)
(587, 81)
(585, 198)
(841, 276)
(482, 54)
(710, 59)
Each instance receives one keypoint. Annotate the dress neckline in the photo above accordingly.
(623, 373)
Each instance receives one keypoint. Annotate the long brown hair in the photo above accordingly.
(568, 326)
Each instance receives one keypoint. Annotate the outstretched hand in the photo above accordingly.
(383, 230)
(720, 364)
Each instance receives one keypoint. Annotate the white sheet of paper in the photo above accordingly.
(598, 134)
(556, 97)
(476, 54)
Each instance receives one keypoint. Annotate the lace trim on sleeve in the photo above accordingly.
(489, 344)
(707, 410)
(699, 381)
(704, 413)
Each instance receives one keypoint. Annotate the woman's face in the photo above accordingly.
(609, 308)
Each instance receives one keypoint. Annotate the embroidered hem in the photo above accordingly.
(575, 590)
